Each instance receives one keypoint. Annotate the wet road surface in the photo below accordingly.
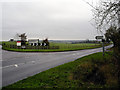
(19, 65)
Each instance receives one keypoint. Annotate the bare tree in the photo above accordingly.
(16, 37)
(106, 14)
(23, 37)
(107, 17)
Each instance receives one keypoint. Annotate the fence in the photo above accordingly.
(30, 47)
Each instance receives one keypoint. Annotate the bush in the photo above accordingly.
(89, 72)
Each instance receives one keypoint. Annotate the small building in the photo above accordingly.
(33, 42)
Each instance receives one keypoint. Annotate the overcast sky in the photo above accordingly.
(52, 19)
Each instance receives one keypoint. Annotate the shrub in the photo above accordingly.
(89, 72)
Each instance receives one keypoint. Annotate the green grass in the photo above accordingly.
(62, 47)
(9, 43)
(74, 46)
(74, 74)
(0, 43)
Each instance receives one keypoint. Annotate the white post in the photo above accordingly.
(103, 49)
(103, 46)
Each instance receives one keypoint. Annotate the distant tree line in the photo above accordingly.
(87, 41)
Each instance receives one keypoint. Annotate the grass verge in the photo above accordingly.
(48, 50)
(93, 71)
(62, 47)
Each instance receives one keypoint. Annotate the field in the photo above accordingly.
(9, 43)
(0, 43)
(93, 71)
(74, 46)
(62, 47)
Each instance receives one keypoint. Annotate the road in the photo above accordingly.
(20, 65)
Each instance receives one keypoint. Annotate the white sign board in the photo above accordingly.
(99, 37)
(18, 43)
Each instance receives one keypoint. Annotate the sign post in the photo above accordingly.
(99, 37)
(103, 40)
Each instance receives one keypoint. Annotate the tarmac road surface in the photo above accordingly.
(20, 65)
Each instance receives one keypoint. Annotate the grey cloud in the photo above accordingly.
(54, 19)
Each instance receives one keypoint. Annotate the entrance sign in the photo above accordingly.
(18, 43)
(99, 37)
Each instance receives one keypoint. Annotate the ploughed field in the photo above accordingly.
(61, 47)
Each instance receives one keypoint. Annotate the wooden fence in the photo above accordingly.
(30, 47)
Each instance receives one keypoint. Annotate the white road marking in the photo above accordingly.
(8, 66)
(16, 65)
(32, 61)
(73, 54)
